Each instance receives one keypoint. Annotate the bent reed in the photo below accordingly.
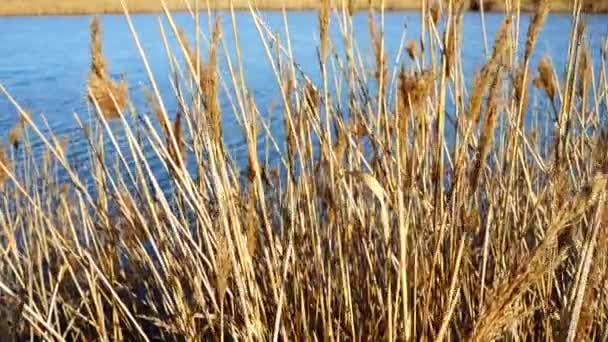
(373, 224)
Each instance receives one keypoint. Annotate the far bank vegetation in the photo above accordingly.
(74, 7)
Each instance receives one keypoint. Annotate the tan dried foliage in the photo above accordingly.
(223, 267)
(585, 71)
(109, 96)
(488, 131)
(412, 49)
(435, 11)
(414, 90)
(545, 79)
(252, 225)
(324, 22)
(377, 40)
(5, 166)
(15, 134)
(207, 76)
(538, 21)
(487, 72)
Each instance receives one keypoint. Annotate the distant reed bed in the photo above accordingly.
(374, 224)
(75, 7)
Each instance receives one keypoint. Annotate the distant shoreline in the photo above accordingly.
(15, 8)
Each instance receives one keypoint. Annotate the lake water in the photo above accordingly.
(44, 61)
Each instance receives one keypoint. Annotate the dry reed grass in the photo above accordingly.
(108, 96)
(545, 80)
(369, 223)
(15, 135)
(5, 166)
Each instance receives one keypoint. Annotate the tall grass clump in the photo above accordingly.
(424, 204)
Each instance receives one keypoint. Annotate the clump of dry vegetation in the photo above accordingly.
(372, 222)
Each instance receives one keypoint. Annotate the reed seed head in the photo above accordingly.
(487, 133)
(585, 71)
(178, 154)
(111, 97)
(502, 40)
(341, 144)
(435, 11)
(588, 195)
(489, 70)
(520, 90)
(538, 20)
(98, 62)
(15, 135)
(452, 39)
(324, 14)
(414, 89)
(476, 96)
(211, 90)
(311, 95)
(5, 163)
(188, 51)
(379, 53)
(207, 76)
(412, 49)
(545, 79)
